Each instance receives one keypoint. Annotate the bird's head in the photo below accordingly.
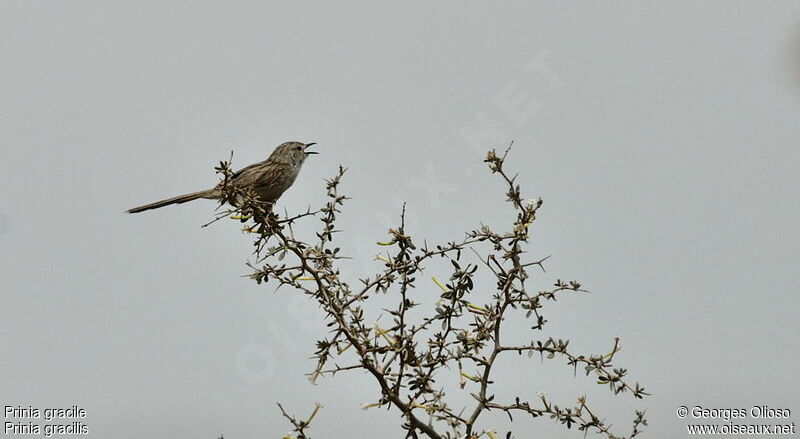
(293, 153)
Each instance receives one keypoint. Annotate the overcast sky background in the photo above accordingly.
(663, 138)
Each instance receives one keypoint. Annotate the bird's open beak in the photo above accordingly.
(310, 152)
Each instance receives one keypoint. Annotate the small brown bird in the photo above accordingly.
(269, 179)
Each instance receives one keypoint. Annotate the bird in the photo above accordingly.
(269, 179)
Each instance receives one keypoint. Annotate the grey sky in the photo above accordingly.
(662, 136)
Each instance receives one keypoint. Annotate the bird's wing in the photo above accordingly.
(259, 175)
(266, 178)
(238, 174)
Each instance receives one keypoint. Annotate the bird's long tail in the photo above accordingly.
(210, 194)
